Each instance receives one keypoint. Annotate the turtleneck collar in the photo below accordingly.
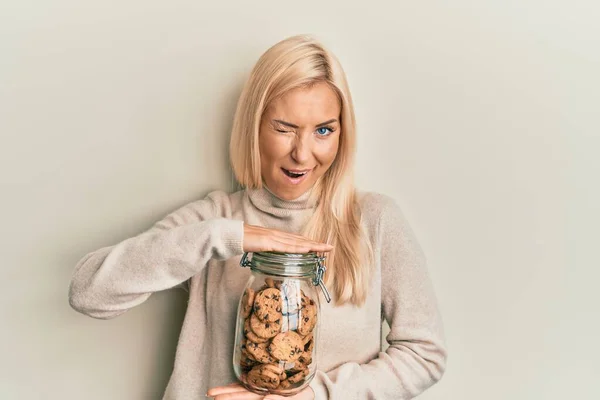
(265, 200)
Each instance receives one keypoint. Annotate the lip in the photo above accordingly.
(296, 181)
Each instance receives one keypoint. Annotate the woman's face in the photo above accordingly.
(299, 139)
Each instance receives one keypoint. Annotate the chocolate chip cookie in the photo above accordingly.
(284, 384)
(247, 363)
(309, 343)
(264, 329)
(298, 365)
(272, 283)
(250, 335)
(265, 376)
(259, 352)
(298, 377)
(247, 302)
(308, 316)
(267, 305)
(286, 346)
(293, 379)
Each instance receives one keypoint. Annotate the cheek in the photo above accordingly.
(328, 152)
(272, 148)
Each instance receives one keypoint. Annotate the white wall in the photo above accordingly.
(479, 117)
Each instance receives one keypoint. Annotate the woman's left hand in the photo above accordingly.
(236, 391)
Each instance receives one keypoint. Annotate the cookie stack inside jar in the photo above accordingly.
(277, 338)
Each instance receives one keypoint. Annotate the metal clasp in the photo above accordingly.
(318, 279)
(245, 261)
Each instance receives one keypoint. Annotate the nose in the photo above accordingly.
(301, 152)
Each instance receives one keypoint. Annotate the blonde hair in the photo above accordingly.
(301, 61)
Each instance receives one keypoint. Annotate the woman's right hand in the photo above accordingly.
(257, 238)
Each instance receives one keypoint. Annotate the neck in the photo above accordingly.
(286, 215)
(265, 197)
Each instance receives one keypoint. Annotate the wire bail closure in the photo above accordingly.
(245, 262)
(317, 280)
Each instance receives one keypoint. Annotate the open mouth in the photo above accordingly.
(294, 174)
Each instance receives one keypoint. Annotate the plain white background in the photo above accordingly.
(479, 117)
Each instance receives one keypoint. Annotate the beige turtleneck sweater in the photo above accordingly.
(201, 244)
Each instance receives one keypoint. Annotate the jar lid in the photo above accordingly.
(289, 265)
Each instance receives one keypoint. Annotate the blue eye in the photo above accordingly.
(324, 131)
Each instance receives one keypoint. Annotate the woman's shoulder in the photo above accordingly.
(384, 212)
(222, 197)
(214, 204)
(225, 203)
(375, 204)
(374, 207)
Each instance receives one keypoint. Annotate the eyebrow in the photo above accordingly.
(296, 126)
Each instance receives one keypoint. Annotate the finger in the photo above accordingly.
(289, 235)
(315, 245)
(309, 246)
(305, 394)
(324, 247)
(290, 247)
(293, 236)
(277, 397)
(232, 387)
(304, 242)
(245, 395)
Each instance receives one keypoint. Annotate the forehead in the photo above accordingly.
(306, 106)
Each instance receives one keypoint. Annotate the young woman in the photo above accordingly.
(292, 151)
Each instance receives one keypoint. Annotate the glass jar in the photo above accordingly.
(278, 322)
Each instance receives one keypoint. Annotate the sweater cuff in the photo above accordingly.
(232, 235)
(318, 387)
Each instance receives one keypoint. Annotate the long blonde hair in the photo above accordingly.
(295, 62)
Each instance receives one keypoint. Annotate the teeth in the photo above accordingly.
(294, 174)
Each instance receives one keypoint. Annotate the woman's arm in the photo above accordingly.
(111, 280)
(416, 357)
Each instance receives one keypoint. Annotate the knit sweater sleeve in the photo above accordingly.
(416, 356)
(109, 281)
